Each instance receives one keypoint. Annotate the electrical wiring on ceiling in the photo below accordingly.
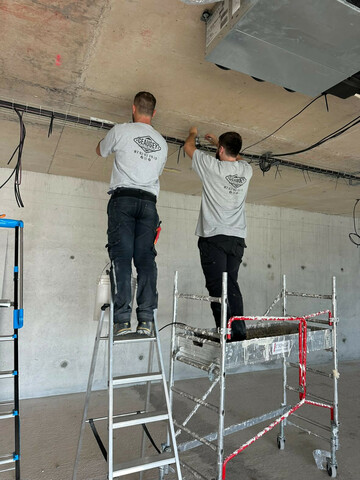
(354, 236)
(265, 160)
(17, 171)
(283, 124)
(355, 121)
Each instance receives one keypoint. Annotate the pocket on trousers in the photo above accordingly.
(204, 249)
(239, 252)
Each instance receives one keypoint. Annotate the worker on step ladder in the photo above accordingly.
(133, 221)
(221, 226)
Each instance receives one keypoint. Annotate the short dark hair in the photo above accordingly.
(232, 143)
(145, 103)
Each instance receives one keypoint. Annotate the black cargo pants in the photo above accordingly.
(218, 254)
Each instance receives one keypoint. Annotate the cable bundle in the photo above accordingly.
(18, 167)
(283, 124)
(354, 236)
(355, 121)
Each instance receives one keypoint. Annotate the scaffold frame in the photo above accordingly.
(208, 350)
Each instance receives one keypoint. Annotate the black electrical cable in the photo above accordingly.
(17, 171)
(146, 430)
(355, 233)
(173, 323)
(325, 139)
(282, 125)
(148, 434)
(51, 125)
(6, 181)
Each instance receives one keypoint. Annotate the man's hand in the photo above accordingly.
(210, 137)
(190, 142)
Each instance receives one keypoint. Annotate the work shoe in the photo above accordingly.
(123, 328)
(236, 338)
(145, 328)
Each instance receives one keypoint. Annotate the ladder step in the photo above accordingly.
(6, 415)
(134, 338)
(5, 303)
(141, 377)
(142, 464)
(6, 338)
(140, 419)
(8, 374)
(7, 469)
(7, 459)
(131, 338)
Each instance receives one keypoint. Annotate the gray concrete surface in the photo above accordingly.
(64, 254)
(111, 49)
(50, 428)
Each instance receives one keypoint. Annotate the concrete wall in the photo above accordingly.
(65, 235)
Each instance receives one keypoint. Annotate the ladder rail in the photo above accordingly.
(167, 399)
(222, 383)
(88, 392)
(172, 349)
(110, 458)
(147, 402)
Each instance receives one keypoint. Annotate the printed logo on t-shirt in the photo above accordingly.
(235, 181)
(147, 144)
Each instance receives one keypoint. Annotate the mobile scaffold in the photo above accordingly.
(209, 351)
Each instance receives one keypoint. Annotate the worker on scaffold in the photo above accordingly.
(221, 226)
(133, 221)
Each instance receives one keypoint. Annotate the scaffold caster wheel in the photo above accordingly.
(331, 469)
(281, 443)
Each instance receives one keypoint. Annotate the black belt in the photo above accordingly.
(134, 192)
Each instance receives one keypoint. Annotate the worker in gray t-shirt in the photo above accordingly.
(221, 227)
(133, 222)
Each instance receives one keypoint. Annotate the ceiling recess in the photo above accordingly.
(307, 46)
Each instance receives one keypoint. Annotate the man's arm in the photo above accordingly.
(190, 142)
(108, 143)
(98, 149)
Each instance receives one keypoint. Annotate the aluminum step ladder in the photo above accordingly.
(8, 410)
(168, 455)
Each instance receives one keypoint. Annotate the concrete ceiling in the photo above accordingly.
(90, 58)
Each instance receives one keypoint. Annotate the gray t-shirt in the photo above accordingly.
(225, 186)
(140, 156)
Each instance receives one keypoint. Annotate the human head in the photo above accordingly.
(144, 104)
(231, 143)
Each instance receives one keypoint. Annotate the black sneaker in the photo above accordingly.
(123, 328)
(236, 338)
(145, 328)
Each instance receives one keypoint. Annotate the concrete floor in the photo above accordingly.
(50, 428)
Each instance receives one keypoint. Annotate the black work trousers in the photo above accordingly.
(132, 223)
(218, 254)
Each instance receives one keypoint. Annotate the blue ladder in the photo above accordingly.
(12, 461)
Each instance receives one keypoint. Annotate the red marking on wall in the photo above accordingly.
(58, 60)
(147, 37)
(35, 14)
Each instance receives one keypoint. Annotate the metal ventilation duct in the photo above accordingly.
(307, 46)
